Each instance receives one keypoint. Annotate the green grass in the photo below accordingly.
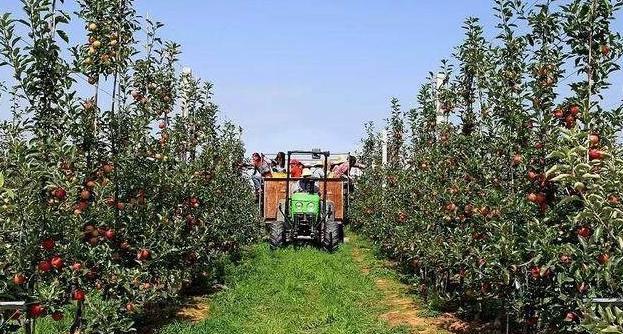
(293, 290)
(302, 290)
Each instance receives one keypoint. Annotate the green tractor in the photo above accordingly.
(307, 213)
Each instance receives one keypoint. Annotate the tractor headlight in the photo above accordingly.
(298, 205)
(310, 206)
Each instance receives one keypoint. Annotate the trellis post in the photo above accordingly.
(439, 80)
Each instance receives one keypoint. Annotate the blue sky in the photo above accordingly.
(303, 74)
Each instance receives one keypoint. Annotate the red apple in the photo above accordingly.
(59, 193)
(57, 262)
(19, 279)
(565, 259)
(532, 197)
(36, 310)
(107, 168)
(143, 254)
(517, 159)
(130, 307)
(78, 295)
(535, 272)
(451, 207)
(110, 201)
(76, 266)
(532, 175)
(574, 110)
(584, 232)
(85, 194)
(109, 234)
(558, 113)
(593, 139)
(539, 198)
(44, 266)
(594, 154)
(603, 258)
(48, 244)
(57, 316)
(82, 205)
(571, 316)
(613, 200)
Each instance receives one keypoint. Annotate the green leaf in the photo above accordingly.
(556, 154)
(597, 233)
(560, 177)
(63, 36)
(611, 329)
(552, 170)
(582, 168)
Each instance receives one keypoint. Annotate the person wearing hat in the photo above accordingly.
(306, 184)
(343, 166)
(296, 168)
(318, 171)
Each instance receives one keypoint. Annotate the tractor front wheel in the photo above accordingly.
(277, 234)
(331, 237)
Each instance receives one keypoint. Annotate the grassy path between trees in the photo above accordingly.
(309, 291)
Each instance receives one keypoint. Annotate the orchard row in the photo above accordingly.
(501, 196)
(118, 186)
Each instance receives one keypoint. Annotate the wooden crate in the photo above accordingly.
(275, 191)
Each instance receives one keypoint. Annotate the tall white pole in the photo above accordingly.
(186, 73)
(441, 117)
(186, 76)
(384, 147)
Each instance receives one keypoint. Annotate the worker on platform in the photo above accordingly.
(307, 184)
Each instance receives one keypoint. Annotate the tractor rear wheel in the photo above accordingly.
(331, 236)
(277, 234)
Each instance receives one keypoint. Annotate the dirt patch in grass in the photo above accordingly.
(195, 309)
(402, 310)
(359, 259)
(192, 310)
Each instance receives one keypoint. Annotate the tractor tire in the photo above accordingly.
(332, 235)
(277, 234)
